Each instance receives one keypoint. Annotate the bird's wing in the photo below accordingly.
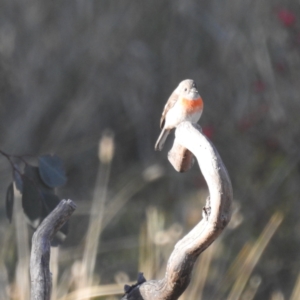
(170, 103)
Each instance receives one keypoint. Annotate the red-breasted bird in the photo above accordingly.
(184, 104)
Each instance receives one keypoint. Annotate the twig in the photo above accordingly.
(40, 253)
(9, 158)
(216, 215)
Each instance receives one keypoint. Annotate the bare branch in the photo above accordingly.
(216, 215)
(181, 158)
(41, 283)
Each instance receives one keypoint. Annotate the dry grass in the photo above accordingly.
(69, 70)
(156, 242)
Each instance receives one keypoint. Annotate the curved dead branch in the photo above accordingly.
(41, 283)
(216, 215)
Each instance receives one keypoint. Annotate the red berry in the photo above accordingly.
(286, 17)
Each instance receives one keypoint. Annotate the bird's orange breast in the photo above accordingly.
(192, 106)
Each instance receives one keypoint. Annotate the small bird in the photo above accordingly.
(184, 104)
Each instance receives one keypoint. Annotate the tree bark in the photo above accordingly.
(216, 215)
(41, 282)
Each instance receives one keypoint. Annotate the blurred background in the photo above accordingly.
(87, 80)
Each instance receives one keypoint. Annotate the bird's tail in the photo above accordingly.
(161, 139)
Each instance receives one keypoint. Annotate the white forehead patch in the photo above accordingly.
(186, 82)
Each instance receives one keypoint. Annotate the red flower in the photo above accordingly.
(286, 17)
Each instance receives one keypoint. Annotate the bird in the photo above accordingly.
(184, 104)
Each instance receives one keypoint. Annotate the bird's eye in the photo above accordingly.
(185, 89)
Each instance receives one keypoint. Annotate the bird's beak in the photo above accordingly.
(194, 90)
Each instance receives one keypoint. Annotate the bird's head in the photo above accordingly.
(188, 89)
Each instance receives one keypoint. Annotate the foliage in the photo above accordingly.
(37, 185)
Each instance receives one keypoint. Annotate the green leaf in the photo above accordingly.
(52, 171)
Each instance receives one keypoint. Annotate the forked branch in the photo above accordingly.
(216, 215)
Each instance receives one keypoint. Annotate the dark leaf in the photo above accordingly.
(52, 171)
(34, 174)
(50, 202)
(18, 178)
(10, 201)
(31, 199)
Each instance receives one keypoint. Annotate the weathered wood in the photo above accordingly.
(216, 215)
(181, 158)
(41, 283)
